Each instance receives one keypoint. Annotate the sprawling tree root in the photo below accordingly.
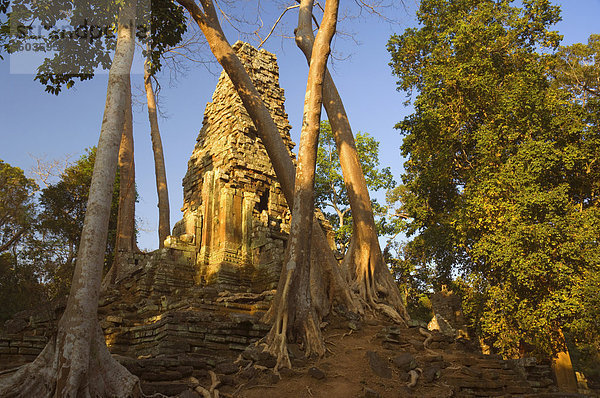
(327, 285)
(309, 335)
(277, 315)
(428, 338)
(328, 279)
(210, 392)
(414, 377)
(71, 368)
(304, 325)
(373, 282)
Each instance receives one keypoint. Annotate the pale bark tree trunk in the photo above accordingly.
(284, 168)
(164, 223)
(295, 315)
(371, 277)
(126, 215)
(76, 361)
(125, 239)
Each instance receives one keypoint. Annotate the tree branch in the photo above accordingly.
(14, 239)
(275, 24)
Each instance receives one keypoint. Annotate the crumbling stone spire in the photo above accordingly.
(235, 214)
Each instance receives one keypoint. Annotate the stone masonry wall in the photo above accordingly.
(155, 310)
(234, 210)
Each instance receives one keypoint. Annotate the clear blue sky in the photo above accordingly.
(44, 125)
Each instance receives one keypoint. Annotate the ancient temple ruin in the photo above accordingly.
(191, 308)
(235, 217)
(200, 297)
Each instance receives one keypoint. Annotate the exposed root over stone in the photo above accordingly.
(414, 377)
(62, 371)
(276, 340)
(374, 284)
(210, 392)
(328, 280)
(304, 327)
(428, 337)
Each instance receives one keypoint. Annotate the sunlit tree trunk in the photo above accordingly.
(364, 259)
(126, 216)
(284, 168)
(296, 317)
(76, 361)
(164, 223)
(125, 234)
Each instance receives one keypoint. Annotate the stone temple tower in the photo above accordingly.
(235, 217)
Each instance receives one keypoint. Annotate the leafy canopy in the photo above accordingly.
(330, 191)
(78, 38)
(501, 181)
(18, 283)
(63, 206)
(37, 266)
(17, 210)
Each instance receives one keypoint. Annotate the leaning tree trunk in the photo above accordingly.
(364, 259)
(76, 361)
(284, 168)
(164, 223)
(125, 239)
(295, 315)
(126, 216)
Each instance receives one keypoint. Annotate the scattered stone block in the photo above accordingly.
(404, 361)
(430, 374)
(316, 373)
(378, 365)
(226, 368)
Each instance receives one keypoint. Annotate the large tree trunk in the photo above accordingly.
(284, 168)
(364, 259)
(76, 362)
(126, 215)
(296, 317)
(164, 223)
(125, 239)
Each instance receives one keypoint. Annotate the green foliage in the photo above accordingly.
(4, 27)
(63, 206)
(16, 205)
(19, 282)
(19, 286)
(330, 190)
(38, 266)
(167, 27)
(420, 309)
(82, 35)
(578, 69)
(502, 176)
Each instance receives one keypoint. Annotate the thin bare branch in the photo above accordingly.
(276, 23)
(45, 170)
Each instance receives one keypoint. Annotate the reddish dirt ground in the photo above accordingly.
(348, 373)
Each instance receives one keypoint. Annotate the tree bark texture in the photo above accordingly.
(126, 215)
(164, 223)
(364, 259)
(76, 361)
(296, 317)
(125, 239)
(267, 130)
